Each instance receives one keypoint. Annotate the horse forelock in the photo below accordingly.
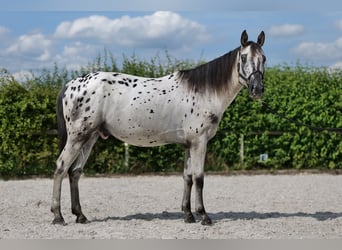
(212, 76)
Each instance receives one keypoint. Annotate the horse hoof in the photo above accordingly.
(59, 221)
(82, 219)
(189, 218)
(206, 221)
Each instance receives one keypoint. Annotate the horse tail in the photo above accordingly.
(61, 125)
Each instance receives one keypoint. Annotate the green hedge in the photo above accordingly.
(309, 95)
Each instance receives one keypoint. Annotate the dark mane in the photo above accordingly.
(212, 76)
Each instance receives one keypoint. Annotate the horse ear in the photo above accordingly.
(261, 38)
(244, 38)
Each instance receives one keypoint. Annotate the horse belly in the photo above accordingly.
(144, 129)
(149, 137)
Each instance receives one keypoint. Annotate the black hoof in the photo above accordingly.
(59, 221)
(82, 219)
(206, 221)
(189, 218)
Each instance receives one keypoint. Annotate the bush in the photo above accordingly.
(309, 95)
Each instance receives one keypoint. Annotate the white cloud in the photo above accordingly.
(22, 75)
(336, 66)
(320, 51)
(76, 55)
(161, 29)
(3, 31)
(286, 30)
(34, 45)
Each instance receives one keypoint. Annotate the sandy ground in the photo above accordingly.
(242, 207)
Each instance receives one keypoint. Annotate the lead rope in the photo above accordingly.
(283, 116)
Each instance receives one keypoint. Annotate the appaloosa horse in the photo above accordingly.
(184, 107)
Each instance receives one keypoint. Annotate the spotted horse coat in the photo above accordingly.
(140, 111)
(184, 107)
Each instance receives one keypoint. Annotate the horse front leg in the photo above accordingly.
(187, 176)
(197, 154)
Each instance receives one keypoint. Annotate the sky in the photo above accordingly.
(38, 34)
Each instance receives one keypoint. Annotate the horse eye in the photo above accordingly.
(244, 58)
(264, 59)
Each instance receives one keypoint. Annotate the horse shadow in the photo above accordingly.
(220, 216)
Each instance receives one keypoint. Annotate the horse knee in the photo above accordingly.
(61, 169)
(199, 181)
(75, 172)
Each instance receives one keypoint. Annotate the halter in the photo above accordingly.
(247, 79)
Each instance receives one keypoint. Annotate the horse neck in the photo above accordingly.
(233, 87)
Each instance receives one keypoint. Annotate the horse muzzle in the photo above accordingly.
(256, 85)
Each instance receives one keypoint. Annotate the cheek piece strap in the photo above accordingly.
(247, 79)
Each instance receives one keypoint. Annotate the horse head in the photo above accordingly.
(251, 64)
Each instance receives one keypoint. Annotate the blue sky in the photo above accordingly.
(38, 33)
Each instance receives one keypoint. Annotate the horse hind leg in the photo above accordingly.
(74, 175)
(65, 160)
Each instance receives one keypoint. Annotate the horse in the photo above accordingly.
(184, 107)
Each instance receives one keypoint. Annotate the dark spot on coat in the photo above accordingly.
(88, 100)
(213, 118)
(151, 111)
(87, 109)
(85, 92)
(134, 85)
